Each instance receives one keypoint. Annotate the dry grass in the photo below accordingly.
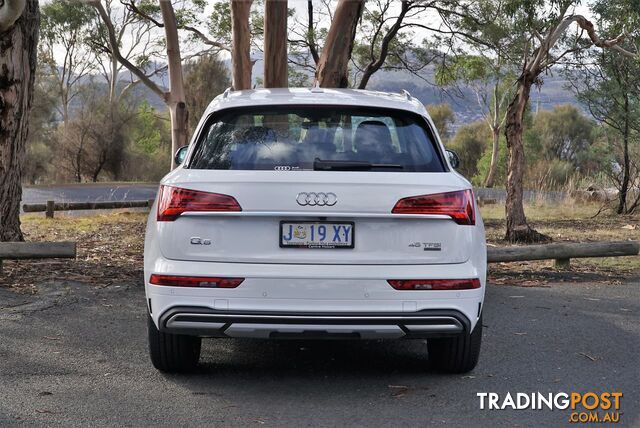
(567, 222)
(110, 247)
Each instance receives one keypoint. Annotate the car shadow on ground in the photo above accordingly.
(306, 357)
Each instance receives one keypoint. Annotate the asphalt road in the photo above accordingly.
(88, 192)
(75, 355)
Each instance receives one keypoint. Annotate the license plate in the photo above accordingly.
(316, 234)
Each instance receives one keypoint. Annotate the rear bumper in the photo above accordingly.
(300, 293)
(206, 322)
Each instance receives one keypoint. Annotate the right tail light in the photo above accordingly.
(457, 205)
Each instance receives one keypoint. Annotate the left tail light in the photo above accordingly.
(173, 201)
(457, 205)
(434, 284)
(195, 281)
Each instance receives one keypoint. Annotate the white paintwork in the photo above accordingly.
(245, 244)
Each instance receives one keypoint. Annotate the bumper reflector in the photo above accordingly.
(195, 281)
(434, 284)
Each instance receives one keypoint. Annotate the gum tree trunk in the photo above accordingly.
(332, 70)
(241, 44)
(491, 177)
(495, 133)
(19, 23)
(517, 228)
(175, 98)
(626, 161)
(275, 44)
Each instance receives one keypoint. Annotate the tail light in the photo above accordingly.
(457, 205)
(173, 201)
(435, 284)
(195, 281)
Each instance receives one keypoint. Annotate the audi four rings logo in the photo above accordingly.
(316, 199)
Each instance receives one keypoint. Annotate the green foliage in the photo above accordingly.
(299, 78)
(470, 142)
(40, 142)
(404, 50)
(219, 22)
(147, 132)
(563, 133)
(463, 67)
(205, 78)
(149, 149)
(59, 18)
(443, 117)
(484, 164)
(560, 147)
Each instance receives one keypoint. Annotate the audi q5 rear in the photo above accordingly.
(315, 213)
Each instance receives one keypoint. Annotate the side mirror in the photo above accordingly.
(454, 160)
(181, 153)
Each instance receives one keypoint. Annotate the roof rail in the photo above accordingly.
(227, 92)
(407, 95)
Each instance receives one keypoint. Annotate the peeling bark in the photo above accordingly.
(517, 228)
(18, 49)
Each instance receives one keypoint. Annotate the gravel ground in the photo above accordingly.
(75, 355)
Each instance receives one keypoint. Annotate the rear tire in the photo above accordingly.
(456, 354)
(172, 353)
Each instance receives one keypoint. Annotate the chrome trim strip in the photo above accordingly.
(173, 324)
(265, 330)
(436, 327)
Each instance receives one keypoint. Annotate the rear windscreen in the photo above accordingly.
(322, 138)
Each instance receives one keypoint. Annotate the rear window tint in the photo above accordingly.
(300, 138)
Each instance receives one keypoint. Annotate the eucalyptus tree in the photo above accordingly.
(368, 37)
(491, 80)
(544, 33)
(385, 40)
(137, 41)
(609, 85)
(333, 64)
(64, 48)
(19, 24)
(205, 77)
(174, 98)
(241, 44)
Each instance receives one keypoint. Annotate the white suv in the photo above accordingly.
(315, 213)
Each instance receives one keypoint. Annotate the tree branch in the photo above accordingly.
(116, 51)
(203, 38)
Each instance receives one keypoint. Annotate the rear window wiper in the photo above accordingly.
(347, 165)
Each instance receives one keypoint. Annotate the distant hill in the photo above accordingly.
(464, 103)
